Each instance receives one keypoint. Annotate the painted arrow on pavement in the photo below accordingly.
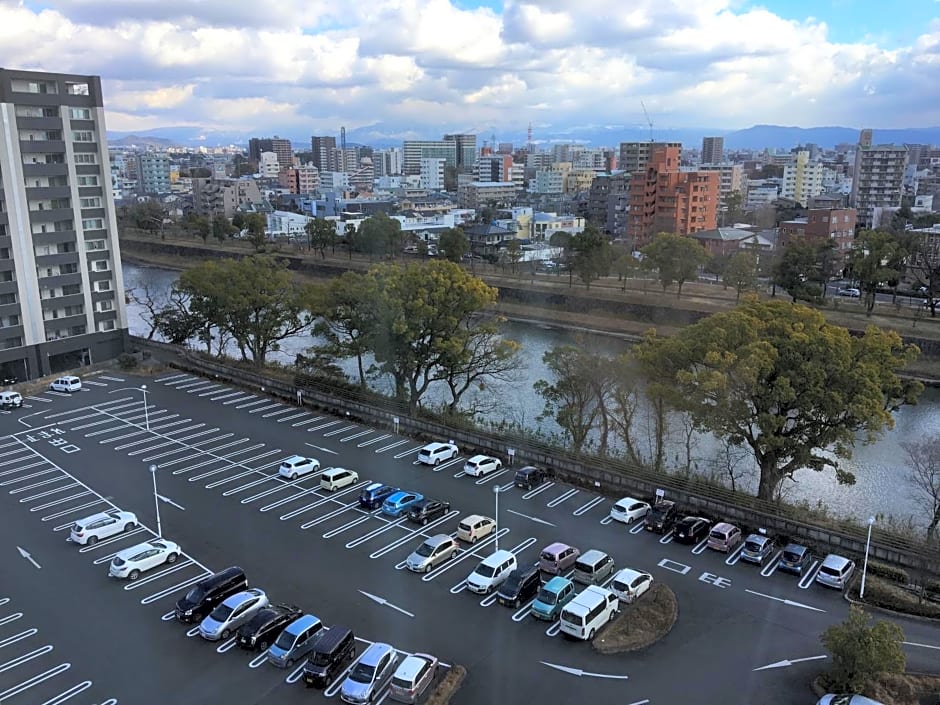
(790, 662)
(325, 450)
(579, 673)
(25, 554)
(791, 603)
(170, 501)
(386, 603)
(526, 516)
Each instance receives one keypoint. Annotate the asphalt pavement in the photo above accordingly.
(744, 635)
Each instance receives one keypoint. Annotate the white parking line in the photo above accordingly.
(173, 588)
(242, 398)
(139, 432)
(276, 405)
(111, 379)
(77, 508)
(331, 498)
(164, 380)
(810, 576)
(464, 555)
(700, 547)
(456, 460)
(68, 694)
(226, 646)
(308, 421)
(18, 637)
(228, 395)
(34, 681)
(95, 384)
(294, 416)
(24, 500)
(667, 538)
(278, 413)
(329, 515)
(562, 497)
(347, 526)
(491, 476)
(21, 469)
(249, 404)
(408, 452)
(284, 500)
(299, 672)
(378, 553)
(585, 508)
(47, 401)
(243, 463)
(180, 379)
(112, 539)
(134, 585)
(325, 425)
(29, 656)
(148, 449)
(376, 532)
(373, 440)
(366, 432)
(391, 445)
(639, 527)
(538, 490)
(337, 431)
(10, 618)
(734, 556)
(769, 569)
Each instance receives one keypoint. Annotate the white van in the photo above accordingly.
(590, 610)
(336, 478)
(68, 384)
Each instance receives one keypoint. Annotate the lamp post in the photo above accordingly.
(496, 495)
(861, 592)
(156, 499)
(143, 388)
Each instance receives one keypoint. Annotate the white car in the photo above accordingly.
(491, 572)
(629, 585)
(133, 561)
(68, 384)
(297, 466)
(236, 610)
(434, 453)
(851, 293)
(337, 478)
(480, 465)
(629, 510)
(10, 400)
(102, 525)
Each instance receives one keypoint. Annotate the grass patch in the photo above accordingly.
(881, 592)
(895, 688)
(641, 624)
(448, 686)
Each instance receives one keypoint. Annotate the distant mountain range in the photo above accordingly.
(756, 137)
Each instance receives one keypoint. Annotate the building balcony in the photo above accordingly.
(45, 169)
(43, 261)
(50, 215)
(54, 238)
(63, 301)
(39, 123)
(42, 193)
(42, 147)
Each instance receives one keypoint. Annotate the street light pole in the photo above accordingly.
(861, 592)
(143, 388)
(496, 495)
(156, 499)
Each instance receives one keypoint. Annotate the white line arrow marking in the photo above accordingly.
(579, 673)
(923, 646)
(325, 450)
(526, 516)
(791, 603)
(386, 603)
(170, 501)
(25, 554)
(790, 662)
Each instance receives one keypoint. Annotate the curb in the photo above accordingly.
(883, 610)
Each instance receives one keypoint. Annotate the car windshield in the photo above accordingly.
(791, 556)
(362, 673)
(547, 597)
(829, 571)
(321, 659)
(620, 586)
(511, 583)
(752, 545)
(221, 613)
(118, 561)
(425, 550)
(196, 594)
(658, 513)
(285, 640)
(486, 571)
(718, 535)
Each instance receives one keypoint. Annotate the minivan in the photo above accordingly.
(588, 612)
(335, 647)
(557, 558)
(593, 567)
(474, 527)
(372, 495)
(296, 641)
(554, 595)
(491, 572)
(203, 597)
(10, 400)
(521, 586)
(371, 672)
(69, 384)
(662, 516)
(412, 678)
(335, 478)
(530, 477)
(835, 571)
(724, 537)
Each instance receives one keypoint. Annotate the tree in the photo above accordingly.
(222, 228)
(777, 378)
(563, 240)
(453, 244)
(924, 476)
(152, 303)
(513, 254)
(238, 220)
(741, 273)
(794, 271)
(591, 255)
(861, 651)
(924, 267)
(380, 236)
(572, 398)
(198, 226)
(256, 225)
(150, 216)
(731, 208)
(871, 262)
(676, 257)
(175, 322)
(351, 238)
(321, 233)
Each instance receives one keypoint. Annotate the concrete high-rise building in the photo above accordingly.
(387, 162)
(878, 178)
(153, 173)
(257, 145)
(634, 156)
(61, 283)
(802, 179)
(321, 148)
(713, 149)
(416, 150)
(494, 167)
(465, 149)
(665, 199)
(285, 153)
(432, 174)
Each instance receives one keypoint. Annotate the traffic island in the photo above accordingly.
(448, 686)
(892, 688)
(641, 624)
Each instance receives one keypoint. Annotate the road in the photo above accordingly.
(217, 450)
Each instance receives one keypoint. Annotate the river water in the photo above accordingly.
(881, 485)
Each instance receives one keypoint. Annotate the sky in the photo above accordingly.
(399, 69)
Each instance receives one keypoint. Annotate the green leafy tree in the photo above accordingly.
(351, 239)
(222, 228)
(861, 651)
(238, 220)
(592, 255)
(198, 226)
(731, 211)
(794, 271)
(453, 244)
(778, 379)
(873, 262)
(676, 258)
(380, 236)
(321, 233)
(741, 273)
(256, 224)
(150, 216)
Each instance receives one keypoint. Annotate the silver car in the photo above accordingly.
(372, 671)
(232, 613)
(432, 552)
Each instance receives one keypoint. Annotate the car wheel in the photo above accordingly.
(516, 603)
(263, 645)
(473, 539)
(133, 575)
(424, 522)
(225, 634)
(92, 540)
(437, 461)
(591, 635)
(293, 476)
(171, 559)
(290, 663)
(454, 554)
(130, 526)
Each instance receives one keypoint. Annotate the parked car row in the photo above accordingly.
(10, 399)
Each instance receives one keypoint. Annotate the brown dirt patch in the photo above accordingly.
(641, 624)
(448, 686)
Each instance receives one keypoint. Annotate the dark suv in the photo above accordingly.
(662, 517)
(530, 477)
(374, 495)
(265, 627)
(209, 592)
(427, 510)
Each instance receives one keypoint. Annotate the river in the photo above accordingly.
(881, 488)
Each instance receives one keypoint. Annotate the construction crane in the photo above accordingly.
(648, 121)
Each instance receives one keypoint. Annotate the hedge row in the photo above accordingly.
(889, 572)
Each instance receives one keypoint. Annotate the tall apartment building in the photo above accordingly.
(257, 145)
(634, 156)
(475, 194)
(153, 173)
(802, 179)
(494, 167)
(415, 150)
(878, 177)
(713, 149)
(731, 178)
(285, 153)
(61, 283)
(665, 199)
(322, 147)
(465, 151)
(299, 180)
(387, 162)
(432, 174)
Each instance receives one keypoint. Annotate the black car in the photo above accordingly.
(530, 476)
(204, 596)
(259, 633)
(795, 559)
(662, 516)
(692, 530)
(375, 494)
(521, 586)
(427, 510)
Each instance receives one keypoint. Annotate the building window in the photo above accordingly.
(7, 299)
(101, 265)
(83, 136)
(80, 113)
(92, 224)
(105, 306)
(12, 343)
(87, 180)
(74, 310)
(92, 245)
(40, 87)
(71, 289)
(6, 276)
(92, 202)
(105, 326)
(103, 285)
(86, 158)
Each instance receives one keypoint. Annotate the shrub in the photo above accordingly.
(861, 650)
(126, 361)
(889, 572)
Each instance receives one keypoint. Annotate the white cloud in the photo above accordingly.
(423, 67)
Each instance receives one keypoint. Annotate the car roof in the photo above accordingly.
(692, 519)
(591, 556)
(629, 574)
(374, 486)
(834, 560)
(473, 518)
(296, 458)
(240, 597)
(557, 583)
(628, 500)
(556, 547)
(664, 503)
(480, 458)
(526, 570)
(438, 539)
(93, 517)
(723, 526)
(795, 548)
(135, 549)
(498, 557)
(334, 471)
(527, 469)
(371, 656)
(301, 623)
(400, 495)
(758, 538)
(436, 445)
(412, 665)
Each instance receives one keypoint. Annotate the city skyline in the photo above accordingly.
(394, 70)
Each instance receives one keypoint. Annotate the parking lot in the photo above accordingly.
(216, 451)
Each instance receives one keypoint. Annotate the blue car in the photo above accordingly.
(398, 503)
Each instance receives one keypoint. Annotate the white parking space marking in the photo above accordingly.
(585, 508)
(700, 547)
(139, 432)
(95, 384)
(489, 477)
(562, 497)
(34, 681)
(140, 582)
(392, 445)
(667, 538)
(180, 379)
(248, 405)
(69, 694)
(285, 500)
(769, 569)
(259, 660)
(810, 576)
(638, 527)
(406, 453)
(371, 441)
(308, 421)
(10, 618)
(538, 490)
(229, 395)
(199, 387)
(18, 637)
(164, 380)
(734, 556)
(423, 530)
(376, 532)
(26, 477)
(111, 379)
(46, 401)
(277, 413)
(674, 566)
(329, 515)
(337, 431)
(226, 646)
(241, 398)
(112, 539)
(253, 471)
(295, 416)
(24, 500)
(330, 498)
(530, 518)
(325, 425)
(790, 603)
(174, 588)
(456, 460)
(61, 500)
(29, 656)
(276, 405)
(366, 432)
(347, 526)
